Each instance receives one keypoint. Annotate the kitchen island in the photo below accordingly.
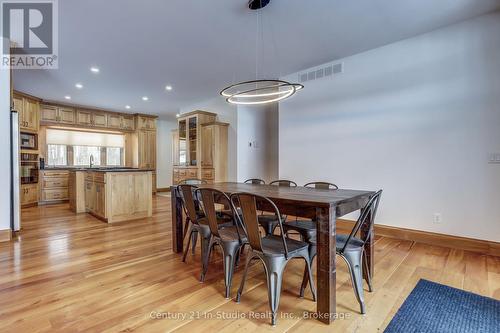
(111, 195)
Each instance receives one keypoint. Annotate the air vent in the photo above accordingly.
(322, 72)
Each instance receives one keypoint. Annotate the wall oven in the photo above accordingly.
(28, 141)
(29, 168)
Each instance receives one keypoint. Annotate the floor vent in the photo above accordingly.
(322, 72)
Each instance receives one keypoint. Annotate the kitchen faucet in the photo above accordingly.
(91, 161)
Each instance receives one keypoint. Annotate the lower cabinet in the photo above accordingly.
(118, 196)
(29, 195)
(54, 186)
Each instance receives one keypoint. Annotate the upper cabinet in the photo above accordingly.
(146, 123)
(28, 110)
(55, 114)
(90, 118)
(128, 122)
(114, 120)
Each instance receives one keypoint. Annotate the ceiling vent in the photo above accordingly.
(322, 72)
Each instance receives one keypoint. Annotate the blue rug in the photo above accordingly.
(433, 307)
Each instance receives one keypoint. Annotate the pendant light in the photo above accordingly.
(262, 91)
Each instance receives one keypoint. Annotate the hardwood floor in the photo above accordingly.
(71, 273)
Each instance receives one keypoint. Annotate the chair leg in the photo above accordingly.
(242, 284)
(186, 249)
(274, 273)
(205, 243)
(305, 278)
(194, 238)
(230, 251)
(206, 258)
(308, 276)
(367, 271)
(354, 261)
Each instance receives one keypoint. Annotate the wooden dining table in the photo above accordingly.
(324, 206)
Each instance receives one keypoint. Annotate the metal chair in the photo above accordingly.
(322, 186)
(231, 239)
(283, 182)
(270, 222)
(255, 181)
(352, 250)
(274, 251)
(192, 181)
(196, 222)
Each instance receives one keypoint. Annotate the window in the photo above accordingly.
(81, 155)
(113, 156)
(57, 155)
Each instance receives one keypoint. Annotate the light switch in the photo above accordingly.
(494, 158)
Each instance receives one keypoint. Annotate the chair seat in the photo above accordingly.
(273, 245)
(267, 218)
(355, 244)
(231, 234)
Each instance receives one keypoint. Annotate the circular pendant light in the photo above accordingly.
(259, 91)
(263, 91)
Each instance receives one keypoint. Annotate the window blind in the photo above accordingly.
(75, 138)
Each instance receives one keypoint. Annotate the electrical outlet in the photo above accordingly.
(438, 219)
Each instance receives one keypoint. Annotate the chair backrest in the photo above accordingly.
(188, 200)
(366, 219)
(255, 181)
(209, 197)
(322, 186)
(283, 182)
(193, 181)
(248, 205)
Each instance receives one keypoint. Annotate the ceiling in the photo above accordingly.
(200, 46)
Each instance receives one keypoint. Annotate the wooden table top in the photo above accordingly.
(316, 197)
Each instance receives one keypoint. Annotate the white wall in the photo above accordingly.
(5, 149)
(417, 118)
(226, 113)
(165, 125)
(258, 126)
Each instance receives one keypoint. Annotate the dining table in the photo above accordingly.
(321, 205)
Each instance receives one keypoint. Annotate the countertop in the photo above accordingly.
(98, 169)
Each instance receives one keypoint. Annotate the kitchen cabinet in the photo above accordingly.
(200, 148)
(76, 191)
(58, 115)
(128, 122)
(84, 117)
(145, 122)
(28, 110)
(28, 195)
(114, 120)
(146, 143)
(99, 119)
(54, 186)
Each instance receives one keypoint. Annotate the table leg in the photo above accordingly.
(326, 264)
(369, 249)
(176, 203)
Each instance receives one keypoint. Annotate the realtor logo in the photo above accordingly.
(29, 34)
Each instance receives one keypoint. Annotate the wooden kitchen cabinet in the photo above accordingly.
(84, 117)
(145, 122)
(200, 148)
(147, 149)
(29, 195)
(99, 119)
(58, 115)
(128, 122)
(29, 112)
(54, 186)
(114, 120)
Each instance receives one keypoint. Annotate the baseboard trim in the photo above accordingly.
(163, 189)
(5, 235)
(432, 238)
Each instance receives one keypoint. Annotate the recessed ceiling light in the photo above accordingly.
(145, 98)
(178, 115)
(94, 69)
(79, 85)
(168, 88)
(67, 97)
(127, 107)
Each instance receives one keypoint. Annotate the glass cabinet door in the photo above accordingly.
(193, 139)
(182, 143)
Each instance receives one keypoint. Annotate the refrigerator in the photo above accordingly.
(15, 220)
